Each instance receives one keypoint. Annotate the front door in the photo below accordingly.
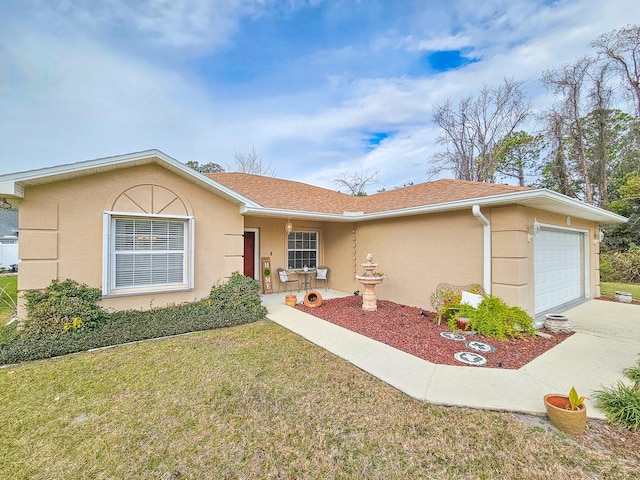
(249, 252)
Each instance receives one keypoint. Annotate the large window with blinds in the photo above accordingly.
(148, 254)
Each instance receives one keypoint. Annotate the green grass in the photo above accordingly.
(608, 289)
(8, 297)
(257, 401)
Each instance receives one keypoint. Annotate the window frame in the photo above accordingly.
(317, 248)
(109, 288)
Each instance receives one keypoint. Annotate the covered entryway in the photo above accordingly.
(559, 268)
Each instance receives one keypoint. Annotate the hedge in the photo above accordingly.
(225, 310)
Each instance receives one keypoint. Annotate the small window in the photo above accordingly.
(302, 249)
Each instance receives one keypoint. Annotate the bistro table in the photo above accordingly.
(305, 277)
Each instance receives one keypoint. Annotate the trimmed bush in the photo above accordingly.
(240, 295)
(61, 307)
(234, 303)
(123, 327)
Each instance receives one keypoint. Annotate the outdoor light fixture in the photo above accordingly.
(288, 226)
(598, 237)
(535, 229)
(4, 205)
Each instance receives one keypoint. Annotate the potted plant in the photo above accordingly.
(462, 323)
(567, 413)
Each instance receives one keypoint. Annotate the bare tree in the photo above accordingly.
(567, 82)
(251, 162)
(598, 140)
(622, 49)
(357, 182)
(472, 130)
(205, 167)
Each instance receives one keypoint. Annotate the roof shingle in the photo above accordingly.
(275, 193)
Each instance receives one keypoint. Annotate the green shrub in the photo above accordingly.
(623, 267)
(621, 403)
(238, 296)
(234, 303)
(61, 307)
(494, 318)
(123, 327)
(633, 373)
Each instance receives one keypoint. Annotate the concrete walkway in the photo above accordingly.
(606, 341)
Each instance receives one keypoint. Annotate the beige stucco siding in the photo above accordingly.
(513, 252)
(416, 253)
(72, 213)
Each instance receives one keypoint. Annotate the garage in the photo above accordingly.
(559, 268)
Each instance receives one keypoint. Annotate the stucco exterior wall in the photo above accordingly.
(416, 253)
(513, 259)
(62, 227)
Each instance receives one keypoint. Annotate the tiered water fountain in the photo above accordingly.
(370, 279)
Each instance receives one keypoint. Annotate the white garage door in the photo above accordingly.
(559, 267)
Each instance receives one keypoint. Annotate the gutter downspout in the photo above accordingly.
(486, 244)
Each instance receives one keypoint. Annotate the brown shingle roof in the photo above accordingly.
(431, 193)
(275, 193)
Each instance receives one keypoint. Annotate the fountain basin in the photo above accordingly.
(369, 280)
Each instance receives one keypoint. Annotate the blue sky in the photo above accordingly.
(317, 87)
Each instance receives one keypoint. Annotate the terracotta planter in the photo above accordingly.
(291, 300)
(573, 422)
(313, 299)
(462, 322)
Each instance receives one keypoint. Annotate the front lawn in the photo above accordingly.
(608, 289)
(257, 401)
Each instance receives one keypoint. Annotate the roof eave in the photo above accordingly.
(13, 185)
(555, 202)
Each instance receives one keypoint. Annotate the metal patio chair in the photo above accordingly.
(286, 278)
(322, 274)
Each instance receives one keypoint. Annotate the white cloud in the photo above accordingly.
(84, 81)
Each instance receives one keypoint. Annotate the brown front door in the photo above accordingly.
(249, 249)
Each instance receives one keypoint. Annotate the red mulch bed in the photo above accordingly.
(413, 330)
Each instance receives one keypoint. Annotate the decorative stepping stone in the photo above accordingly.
(452, 336)
(480, 346)
(470, 358)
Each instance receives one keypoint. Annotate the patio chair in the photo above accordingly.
(322, 273)
(287, 279)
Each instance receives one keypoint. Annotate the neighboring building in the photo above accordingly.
(8, 238)
(148, 230)
(8, 225)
